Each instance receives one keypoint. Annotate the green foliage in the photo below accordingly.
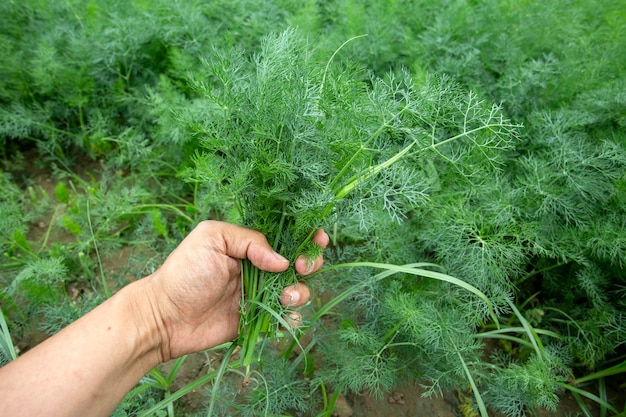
(279, 390)
(13, 221)
(533, 384)
(7, 348)
(375, 120)
(58, 316)
(363, 363)
(40, 281)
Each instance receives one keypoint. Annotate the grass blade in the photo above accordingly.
(581, 392)
(6, 342)
(218, 377)
(411, 269)
(477, 396)
(532, 334)
(613, 370)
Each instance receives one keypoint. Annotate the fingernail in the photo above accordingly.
(295, 296)
(295, 319)
(280, 257)
(307, 266)
(291, 297)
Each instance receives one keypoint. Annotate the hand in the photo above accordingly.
(195, 296)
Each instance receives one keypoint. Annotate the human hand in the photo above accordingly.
(195, 296)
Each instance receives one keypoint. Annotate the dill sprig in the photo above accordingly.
(291, 143)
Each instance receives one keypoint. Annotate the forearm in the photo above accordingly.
(87, 368)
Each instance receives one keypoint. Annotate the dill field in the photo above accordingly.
(466, 158)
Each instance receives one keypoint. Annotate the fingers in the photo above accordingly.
(321, 238)
(241, 243)
(303, 265)
(295, 295)
(294, 319)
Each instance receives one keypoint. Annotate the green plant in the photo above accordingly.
(7, 348)
(149, 117)
(296, 145)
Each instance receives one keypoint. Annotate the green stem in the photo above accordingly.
(613, 370)
(105, 287)
(359, 179)
(333, 56)
(189, 387)
(539, 271)
(6, 341)
(414, 269)
(219, 374)
(171, 207)
(587, 394)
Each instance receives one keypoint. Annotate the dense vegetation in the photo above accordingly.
(467, 158)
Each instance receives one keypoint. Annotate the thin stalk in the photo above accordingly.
(528, 300)
(329, 405)
(105, 287)
(281, 320)
(571, 321)
(172, 374)
(251, 325)
(518, 340)
(501, 334)
(301, 357)
(479, 399)
(392, 332)
(356, 180)
(581, 404)
(434, 145)
(158, 378)
(280, 228)
(539, 271)
(6, 342)
(531, 332)
(324, 396)
(613, 370)
(184, 391)
(346, 167)
(363, 147)
(333, 57)
(218, 377)
(578, 391)
(412, 269)
(322, 311)
(49, 228)
(173, 208)
(603, 396)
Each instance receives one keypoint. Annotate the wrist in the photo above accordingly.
(150, 338)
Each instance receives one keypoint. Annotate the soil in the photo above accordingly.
(403, 402)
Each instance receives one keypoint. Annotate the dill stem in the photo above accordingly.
(358, 179)
(355, 181)
(540, 271)
(333, 56)
(255, 321)
(105, 287)
(364, 146)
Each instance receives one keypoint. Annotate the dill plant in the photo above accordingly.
(292, 142)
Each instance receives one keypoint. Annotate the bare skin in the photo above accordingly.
(189, 304)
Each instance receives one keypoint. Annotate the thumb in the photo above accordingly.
(243, 243)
